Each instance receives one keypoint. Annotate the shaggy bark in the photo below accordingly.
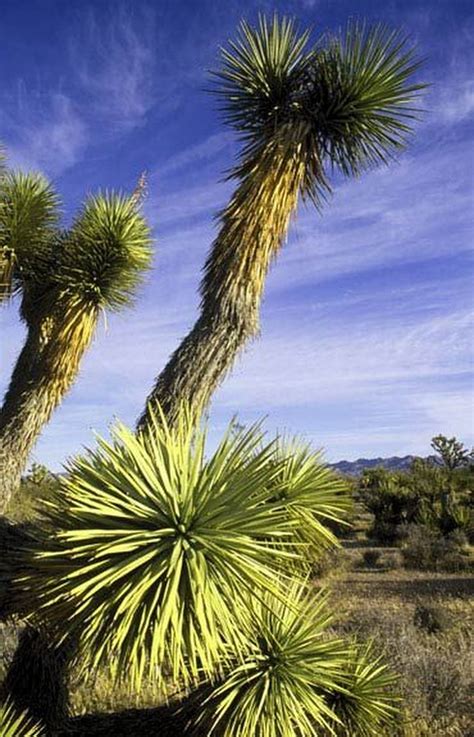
(44, 372)
(38, 678)
(253, 228)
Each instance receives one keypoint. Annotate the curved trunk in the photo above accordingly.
(46, 368)
(44, 372)
(254, 225)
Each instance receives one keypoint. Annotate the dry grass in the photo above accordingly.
(436, 670)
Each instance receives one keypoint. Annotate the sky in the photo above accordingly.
(366, 344)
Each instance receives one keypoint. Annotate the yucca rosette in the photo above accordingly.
(281, 679)
(152, 552)
(314, 495)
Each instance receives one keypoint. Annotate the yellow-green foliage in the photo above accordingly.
(14, 724)
(292, 678)
(152, 550)
(158, 557)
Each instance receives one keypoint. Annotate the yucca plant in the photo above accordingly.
(293, 679)
(365, 701)
(300, 111)
(65, 280)
(313, 494)
(13, 724)
(152, 551)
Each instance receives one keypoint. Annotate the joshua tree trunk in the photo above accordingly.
(41, 378)
(37, 676)
(253, 227)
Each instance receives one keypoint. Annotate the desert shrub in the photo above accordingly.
(371, 558)
(391, 561)
(460, 538)
(331, 561)
(36, 486)
(435, 673)
(392, 502)
(431, 618)
(427, 549)
(429, 493)
(437, 677)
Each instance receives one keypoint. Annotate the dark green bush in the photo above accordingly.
(429, 494)
(392, 502)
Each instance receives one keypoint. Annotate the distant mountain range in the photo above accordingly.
(395, 463)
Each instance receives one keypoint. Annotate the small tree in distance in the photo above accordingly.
(452, 453)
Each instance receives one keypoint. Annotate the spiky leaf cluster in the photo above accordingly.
(106, 252)
(314, 495)
(97, 263)
(292, 679)
(346, 103)
(29, 216)
(14, 724)
(359, 98)
(154, 546)
(259, 75)
(364, 701)
(165, 562)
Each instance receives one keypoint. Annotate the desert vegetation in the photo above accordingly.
(153, 572)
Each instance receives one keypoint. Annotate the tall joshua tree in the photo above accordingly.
(345, 104)
(65, 278)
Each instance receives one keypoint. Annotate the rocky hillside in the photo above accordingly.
(355, 468)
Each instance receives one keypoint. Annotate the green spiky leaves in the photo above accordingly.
(364, 700)
(293, 679)
(280, 678)
(98, 262)
(259, 74)
(14, 724)
(29, 215)
(346, 104)
(314, 496)
(360, 98)
(106, 252)
(155, 547)
(165, 562)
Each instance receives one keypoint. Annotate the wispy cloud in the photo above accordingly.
(44, 131)
(198, 154)
(455, 102)
(117, 72)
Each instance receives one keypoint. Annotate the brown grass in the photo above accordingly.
(436, 671)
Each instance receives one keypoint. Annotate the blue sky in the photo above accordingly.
(366, 345)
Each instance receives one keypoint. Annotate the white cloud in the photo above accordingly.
(117, 71)
(47, 133)
(198, 154)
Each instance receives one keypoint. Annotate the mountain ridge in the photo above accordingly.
(392, 463)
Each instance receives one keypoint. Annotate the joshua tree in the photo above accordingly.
(452, 453)
(65, 278)
(300, 112)
(345, 104)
